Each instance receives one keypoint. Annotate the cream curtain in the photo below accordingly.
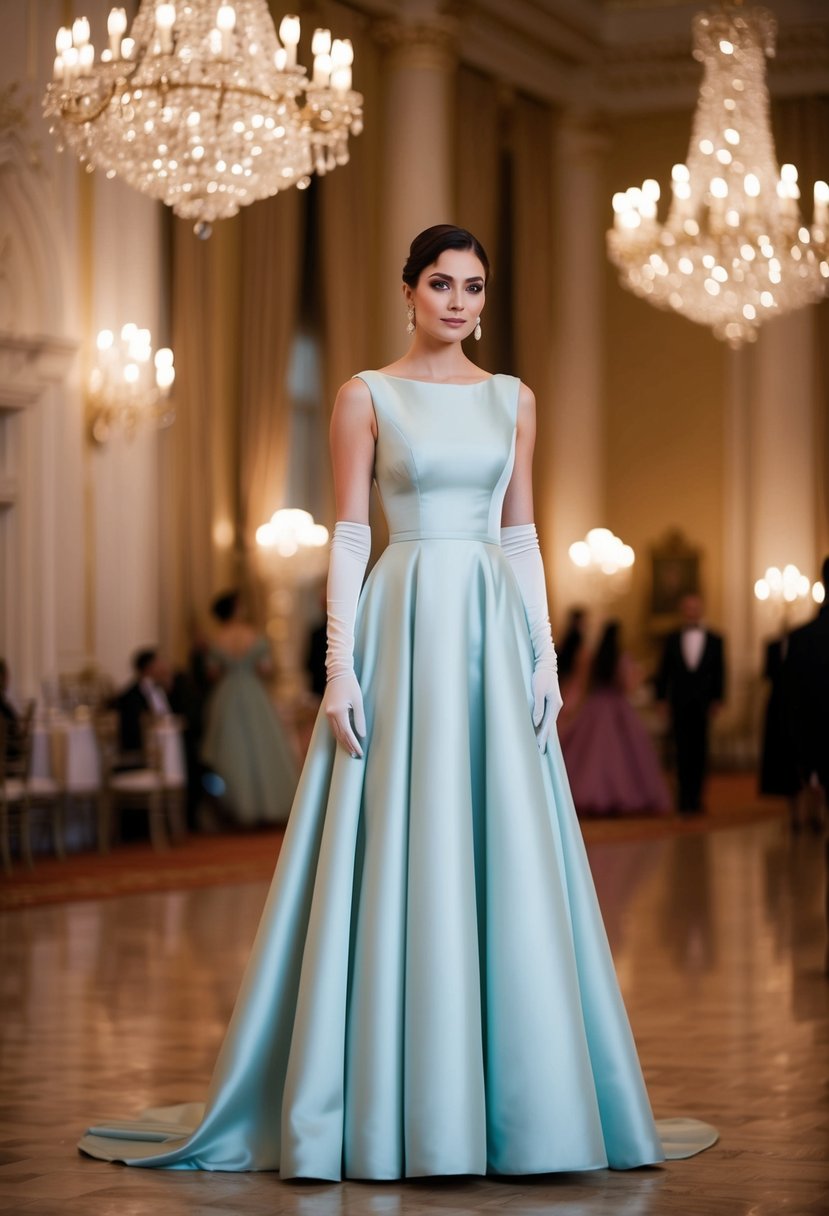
(271, 257)
(198, 453)
(224, 461)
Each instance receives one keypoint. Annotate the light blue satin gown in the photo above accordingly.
(430, 991)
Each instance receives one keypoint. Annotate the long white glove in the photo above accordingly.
(350, 547)
(520, 546)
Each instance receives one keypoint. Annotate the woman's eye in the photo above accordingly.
(438, 283)
(475, 288)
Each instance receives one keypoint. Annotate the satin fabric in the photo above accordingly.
(430, 990)
(244, 741)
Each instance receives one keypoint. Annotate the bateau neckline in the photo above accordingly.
(437, 383)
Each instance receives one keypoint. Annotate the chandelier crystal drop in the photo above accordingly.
(734, 250)
(202, 106)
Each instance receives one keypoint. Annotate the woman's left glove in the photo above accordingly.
(520, 546)
(343, 698)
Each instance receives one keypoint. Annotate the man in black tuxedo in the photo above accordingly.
(145, 695)
(691, 680)
(806, 693)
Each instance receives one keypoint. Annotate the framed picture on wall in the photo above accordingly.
(675, 572)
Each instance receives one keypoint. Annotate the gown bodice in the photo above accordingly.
(247, 662)
(444, 455)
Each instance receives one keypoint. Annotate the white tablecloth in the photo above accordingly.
(67, 750)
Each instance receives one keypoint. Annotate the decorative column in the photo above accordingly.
(418, 188)
(569, 458)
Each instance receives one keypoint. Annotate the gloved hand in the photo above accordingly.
(520, 546)
(350, 547)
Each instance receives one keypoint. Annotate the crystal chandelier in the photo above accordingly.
(201, 106)
(129, 385)
(733, 251)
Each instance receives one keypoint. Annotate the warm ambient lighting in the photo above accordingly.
(601, 551)
(291, 553)
(733, 251)
(787, 586)
(290, 530)
(202, 106)
(129, 385)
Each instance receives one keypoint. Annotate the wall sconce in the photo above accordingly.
(291, 551)
(786, 588)
(129, 385)
(606, 561)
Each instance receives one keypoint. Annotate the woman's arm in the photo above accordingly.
(519, 542)
(353, 434)
(518, 500)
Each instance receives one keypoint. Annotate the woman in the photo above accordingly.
(430, 991)
(611, 762)
(244, 743)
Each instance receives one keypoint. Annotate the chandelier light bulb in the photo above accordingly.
(321, 42)
(80, 31)
(201, 107)
(226, 18)
(744, 217)
(105, 339)
(818, 593)
(117, 22)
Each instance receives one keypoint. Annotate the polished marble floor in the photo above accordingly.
(719, 940)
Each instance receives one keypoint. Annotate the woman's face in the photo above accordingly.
(449, 296)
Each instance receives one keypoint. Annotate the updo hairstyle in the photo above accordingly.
(224, 606)
(428, 245)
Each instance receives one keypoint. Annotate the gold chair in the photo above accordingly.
(20, 791)
(141, 788)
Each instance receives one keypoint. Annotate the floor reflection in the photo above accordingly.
(719, 943)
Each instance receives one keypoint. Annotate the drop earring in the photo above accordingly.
(477, 330)
(410, 317)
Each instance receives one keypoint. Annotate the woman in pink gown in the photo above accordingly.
(611, 761)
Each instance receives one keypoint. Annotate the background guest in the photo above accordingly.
(315, 654)
(611, 762)
(573, 663)
(779, 776)
(9, 713)
(147, 694)
(244, 741)
(806, 693)
(691, 682)
(188, 697)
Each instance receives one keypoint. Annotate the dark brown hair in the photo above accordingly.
(428, 245)
(225, 605)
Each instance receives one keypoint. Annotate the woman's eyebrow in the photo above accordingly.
(439, 274)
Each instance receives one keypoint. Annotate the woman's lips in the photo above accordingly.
(457, 321)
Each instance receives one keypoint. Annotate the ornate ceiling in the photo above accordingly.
(614, 55)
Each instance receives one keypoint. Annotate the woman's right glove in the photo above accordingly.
(350, 548)
(520, 546)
